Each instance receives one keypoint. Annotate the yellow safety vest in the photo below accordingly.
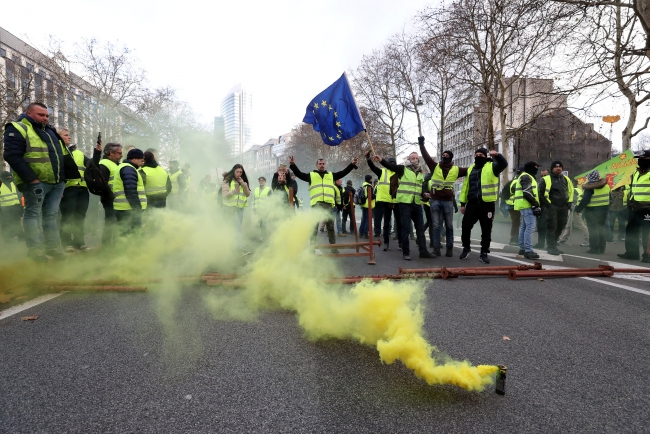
(321, 188)
(112, 169)
(8, 195)
(383, 186)
(78, 157)
(156, 180)
(365, 186)
(640, 187)
(520, 201)
(260, 196)
(489, 184)
(547, 183)
(429, 186)
(600, 197)
(37, 154)
(439, 182)
(175, 187)
(626, 193)
(511, 199)
(410, 187)
(121, 203)
(579, 193)
(238, 199)
(337, 199)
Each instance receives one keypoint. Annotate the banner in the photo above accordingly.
(617, 171)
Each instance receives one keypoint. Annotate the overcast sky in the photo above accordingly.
(283, 51)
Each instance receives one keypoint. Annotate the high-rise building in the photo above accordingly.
(236, 111)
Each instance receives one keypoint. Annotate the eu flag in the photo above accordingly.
(334, 113)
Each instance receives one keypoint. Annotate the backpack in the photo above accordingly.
(95, 181)
(360, 196)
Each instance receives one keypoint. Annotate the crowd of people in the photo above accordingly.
(53, 176)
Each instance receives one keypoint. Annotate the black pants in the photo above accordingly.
(110, 224)
(329, 223)
(156, 202)
(10, 222)
(74, 205)
(128, 220)
(482, 212)
(347, 213)
(596, 218)
(612, 216)
(385, 210)
(637, 221)
(556, 218)
(515, 222)
(412, 212)
(541, 229)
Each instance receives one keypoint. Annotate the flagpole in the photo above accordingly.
(359, 111)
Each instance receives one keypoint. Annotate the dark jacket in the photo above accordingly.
(16, 146)
(290, 183)
(444, 194)
(341, 192)
(526, 181)
(129, 177)
(399, 171)
(589, 192)
(336, 175)
(499, 163)
(346, 197)
(154, 164)
(558, 191)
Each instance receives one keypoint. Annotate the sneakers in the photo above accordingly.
(342, 234)
(561, 242)
(465, 254)
(437, 252)
(385, 249)
(484, 258)
(522, 252)
(56, 254)
(406, 257)
(585, 244)
(450, 252)
(629, 256)
(37, 256)
(531, 255)
(70, 249)
(85, 248)
(426, 254)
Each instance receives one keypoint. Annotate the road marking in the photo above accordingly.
(27, 305)
(542, 256)
(556, 267)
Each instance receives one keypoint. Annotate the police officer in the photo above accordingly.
(638, 203)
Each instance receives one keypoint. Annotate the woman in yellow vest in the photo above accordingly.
(157, 183)
(10, 209)
(595, 202)
(235, 191)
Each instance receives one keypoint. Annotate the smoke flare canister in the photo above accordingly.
(501, 380)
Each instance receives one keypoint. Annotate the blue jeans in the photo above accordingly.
(337, 219)
(363, 228)
(444, 209)
(526, 229)
(41, 208)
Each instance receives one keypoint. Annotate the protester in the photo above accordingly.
(157, 183)
(339, 207)
(526, 202)
(576, 219)
(39, 174)
(235, 192)
(595, 202)
(10, 209)
(128, 188)
(541, 220)
(108, 169)
(478, 197)
(638, 203)
(363, 227)
(348, 203)
(260, 196)
(617, 212)
(386, 204)
(179, 185)
(507, 203)
(556, 194)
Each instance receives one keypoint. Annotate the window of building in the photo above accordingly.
(30, 67)
(3, 52)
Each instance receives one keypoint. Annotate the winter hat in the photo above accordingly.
(530, 166)
(349, 182)
(556, 163)
(368, 178)
(392, 160)
(451, 154)
(520, 169)
(593, 176)
(134, 153)
(482, 151)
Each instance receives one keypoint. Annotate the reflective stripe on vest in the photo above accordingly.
(112, 169)
(37, 154)
(365, 186)
(547, 190)
(520, 201)
(121, 203)
(238, 199)
(175, 186)
(410, 187)
(260, 196)
(511, 199)
(79, 158)
(321, 188)
(489, 184)
(8, 195)
(383, 187)
(600, 197)
(156, 180)
(640, 187)
(439, 182)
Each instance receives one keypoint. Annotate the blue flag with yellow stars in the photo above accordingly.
(334, 113)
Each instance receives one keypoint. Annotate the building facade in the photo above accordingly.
(237, 111)
(263, 160)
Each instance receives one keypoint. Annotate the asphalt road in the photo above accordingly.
(578, 359)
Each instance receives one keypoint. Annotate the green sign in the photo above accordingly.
(617, 171)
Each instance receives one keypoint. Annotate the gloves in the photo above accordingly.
(537, 211)
(421, 140)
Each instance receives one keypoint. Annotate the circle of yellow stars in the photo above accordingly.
(336, 115)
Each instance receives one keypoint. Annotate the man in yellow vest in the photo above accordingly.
(260, 196)
(179, 185)
(595, 202)
(638, 202)
(478, 197)
(386, 204)
(36, 154)
(157, 184)
(556, 197)
(507, 203)
(111, 158)
(575, 219)
(526, 202)
(322, 192)
(10, 209)
(128, 188)
(409, 199)
(74, 203)
(339, 207)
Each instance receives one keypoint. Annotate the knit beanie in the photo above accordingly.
(451, 154)
(482, 151)
(349, 182)
(134, 153)
(593, 176)
(556, 163)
